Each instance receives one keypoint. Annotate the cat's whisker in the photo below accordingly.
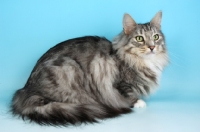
(178, 61)
(180, 65)
(169, 46)
(175, 55)
(176, 58)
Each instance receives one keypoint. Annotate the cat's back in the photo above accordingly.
(77, 48)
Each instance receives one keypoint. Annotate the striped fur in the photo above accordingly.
(85, 79)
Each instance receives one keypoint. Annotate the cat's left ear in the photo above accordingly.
(128, 24)
(156, 21)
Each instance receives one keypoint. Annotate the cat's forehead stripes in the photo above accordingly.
(146, 27)
(142, 28)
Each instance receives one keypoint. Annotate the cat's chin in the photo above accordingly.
(149, 55)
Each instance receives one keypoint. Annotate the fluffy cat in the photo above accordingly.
(89, 78)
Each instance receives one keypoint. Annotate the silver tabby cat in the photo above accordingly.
(89, 78)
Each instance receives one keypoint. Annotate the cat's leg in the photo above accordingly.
(126, 91)
(133, 99)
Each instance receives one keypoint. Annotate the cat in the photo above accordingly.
(85, 79)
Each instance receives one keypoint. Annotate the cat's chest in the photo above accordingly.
(154, 67)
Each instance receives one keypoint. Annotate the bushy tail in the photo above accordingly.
(47, 112)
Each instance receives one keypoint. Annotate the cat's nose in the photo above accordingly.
(151, 47)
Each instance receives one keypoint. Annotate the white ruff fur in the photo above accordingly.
(156, 62)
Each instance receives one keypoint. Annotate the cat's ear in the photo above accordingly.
(128, 24)
(156, 21)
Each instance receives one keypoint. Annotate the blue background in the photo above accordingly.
(28, 28)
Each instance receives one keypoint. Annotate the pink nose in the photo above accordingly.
(151, 47)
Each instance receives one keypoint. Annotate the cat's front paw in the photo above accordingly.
(139, 104)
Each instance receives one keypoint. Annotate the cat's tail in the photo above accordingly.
(47, 112)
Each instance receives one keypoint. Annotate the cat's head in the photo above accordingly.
(141, 40)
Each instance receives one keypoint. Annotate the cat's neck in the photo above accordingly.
(151, 66)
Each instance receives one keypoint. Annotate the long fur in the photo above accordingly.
(85, 79)
(45, 112)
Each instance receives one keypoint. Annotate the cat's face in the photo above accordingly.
(145, 40)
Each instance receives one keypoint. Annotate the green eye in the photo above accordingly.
(139, 38)
(156, 37)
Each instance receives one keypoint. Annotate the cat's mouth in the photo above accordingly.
(151, 53)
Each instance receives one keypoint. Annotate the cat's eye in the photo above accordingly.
(156, 37)
(139, 39)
